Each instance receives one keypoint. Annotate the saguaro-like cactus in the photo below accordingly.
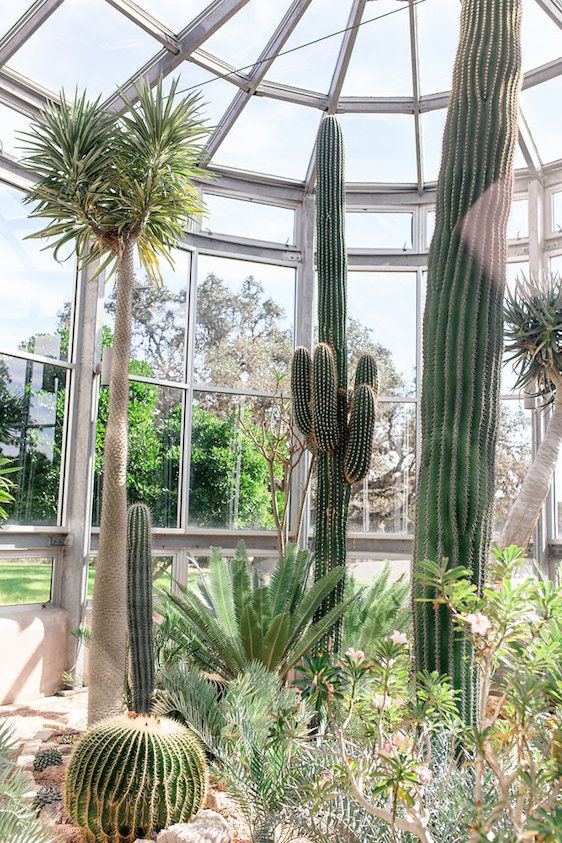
(338, 427)
(139, 606)
(463, 325)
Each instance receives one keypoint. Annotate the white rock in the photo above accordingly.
(52, 813)
(207, 827)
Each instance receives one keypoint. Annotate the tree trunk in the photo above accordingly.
(109, 619)
(526, 508)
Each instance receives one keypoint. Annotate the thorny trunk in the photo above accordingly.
(109, 619)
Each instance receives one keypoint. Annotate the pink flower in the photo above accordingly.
(479, 624)
(355, 656)
(399, 638)
(401, 742)
(380, 701)
(424, 775)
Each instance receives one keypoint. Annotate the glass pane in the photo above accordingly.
(544, 118)
(513, 457)
(248, 219)
(381, 62)
(378, 230)
(37, 292)
(541, 38)
(271, 137)
(159, 321)
(430, 227)
(216, 94)
(364, 571)
(438, 24)
(312, 68)
(556, 264)
(518, 222)
(508, 375)
(85, 43)
(155, 433)
(229, 481)
(382, 320)
(12, 12)
(244, 331)
(32, 410)
(242, 38)
(557, 212)
(175, 14)
(379, 147)
(24, 580)
(12, 122)
(433, 126)
(384, 501)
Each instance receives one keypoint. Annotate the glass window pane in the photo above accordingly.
(365, 571)
(312, 68)
(514, 271)
(175, 14)
(271, 137)
(544, 118)
(518, 222)
(557, 211)
(438, 24)
(12, 12)
(379, 148)
(433, 126)
(384, 501)
(430, 227)
(37, 292)
(229, 482)
(244, 330)
(24, 580)
(84, 43)
(541, 37)
(556, 264)
(513, 457)
(32, 410)
(248, 219)
(216, 94)
(378, 230)
(12, 122)
(382, 320)
(159, 320)
(155, 435)
(241, 39)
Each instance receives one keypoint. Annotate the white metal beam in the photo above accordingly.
(528, 146)
(553, 8)
(189, 39)
(344, 56)
(151, 25)
(21, 94)
(414, 52)
(264, 62)
(25, 27)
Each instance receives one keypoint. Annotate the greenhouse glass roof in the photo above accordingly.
(268, 69)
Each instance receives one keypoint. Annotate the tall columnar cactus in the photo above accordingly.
(463, 325)
(139, 606)
(135, 774)
(338, 427)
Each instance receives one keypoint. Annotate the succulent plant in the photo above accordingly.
(139, 606)
(133, 775)
(47, 758)
(46, 796)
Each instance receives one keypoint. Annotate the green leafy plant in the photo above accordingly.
(380, 608)
(18, 818)
(7, 485)
(533, 331)
(110, 185)
(232, 617)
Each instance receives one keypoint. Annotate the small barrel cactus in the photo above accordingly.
(47, 758)
(133, 775)
(46, 796)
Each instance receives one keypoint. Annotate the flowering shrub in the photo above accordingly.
(394, 761)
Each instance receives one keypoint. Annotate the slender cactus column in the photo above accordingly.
(463, 324)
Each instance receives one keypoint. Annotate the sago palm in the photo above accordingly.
(110, 185)
(533, 319)
(232, 618)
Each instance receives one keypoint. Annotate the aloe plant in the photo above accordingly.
(233, 618)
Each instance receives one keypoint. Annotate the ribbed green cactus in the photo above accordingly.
(338, 427)
(139, 606)
(463, 325)
(133, 775)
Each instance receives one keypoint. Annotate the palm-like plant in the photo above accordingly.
(110, 185)
(231, 618)
(7, 485)
(377, 612)
(533, 320)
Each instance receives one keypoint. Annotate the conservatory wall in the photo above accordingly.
(214, 341)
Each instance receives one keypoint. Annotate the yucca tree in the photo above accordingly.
(232, 618)
(533, 329)
(110, 186)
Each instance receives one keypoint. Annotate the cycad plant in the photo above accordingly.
(7, 485)
(18, 819)
(377, 611)
(232, 617)
(533, 330)
(110, 186)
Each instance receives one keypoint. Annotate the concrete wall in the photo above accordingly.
(33, 647)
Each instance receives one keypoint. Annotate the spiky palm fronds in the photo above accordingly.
(231, 618)
(7, 485)
(381, 608)
(533, 332)
(18, 820)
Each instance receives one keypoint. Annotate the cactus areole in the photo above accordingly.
(463, 323)
(338, 427)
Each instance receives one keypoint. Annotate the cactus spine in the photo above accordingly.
(338, 429)
(139, 606)
(463, 325)
(132, 775)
